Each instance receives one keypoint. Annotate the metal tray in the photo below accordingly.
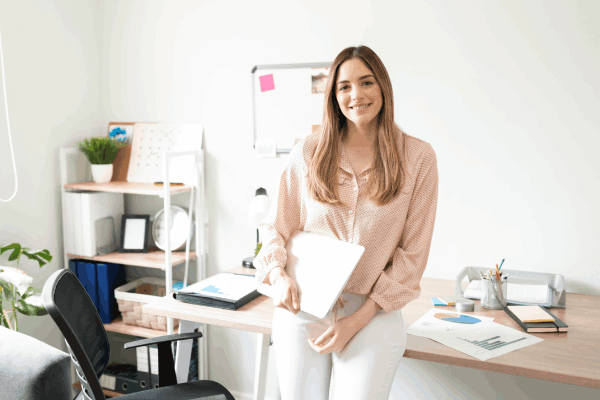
(558, 293)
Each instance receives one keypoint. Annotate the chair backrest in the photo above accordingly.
(74, 313)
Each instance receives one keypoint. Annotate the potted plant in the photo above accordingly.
(101, 153)
(15, 286)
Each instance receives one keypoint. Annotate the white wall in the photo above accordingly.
(51, 62)
(504, 91)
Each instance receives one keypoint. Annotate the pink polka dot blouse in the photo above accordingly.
(396, 236)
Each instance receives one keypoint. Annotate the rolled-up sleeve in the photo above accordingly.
(399, 282)
(284, 217)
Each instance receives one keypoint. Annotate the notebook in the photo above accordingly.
(321, 267)
(555, 325)
(223, 290)
(530, 314)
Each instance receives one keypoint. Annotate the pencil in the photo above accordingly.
(497, 273)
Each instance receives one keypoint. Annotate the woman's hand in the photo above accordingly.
(286, 291)
(337, 336)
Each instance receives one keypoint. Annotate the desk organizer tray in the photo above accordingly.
(556, 283)
(133, 295)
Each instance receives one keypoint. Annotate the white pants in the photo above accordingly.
(364, 370)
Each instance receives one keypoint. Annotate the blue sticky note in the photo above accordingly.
(437, 302)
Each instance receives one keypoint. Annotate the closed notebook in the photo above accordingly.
(554, 325)
(223, 290)
(321, 267)
(531, 314)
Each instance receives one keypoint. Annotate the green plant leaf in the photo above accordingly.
(30, 292)
(100, 150)
(42, 257)
(15, 246)
(29, 309)
(6, 290)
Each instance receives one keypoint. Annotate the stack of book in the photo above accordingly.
(92, 222)
(536, 319)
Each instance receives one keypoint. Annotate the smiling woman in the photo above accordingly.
(359, 114)
(359, 97)
(361, 180)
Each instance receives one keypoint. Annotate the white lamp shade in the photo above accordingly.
(259, 209)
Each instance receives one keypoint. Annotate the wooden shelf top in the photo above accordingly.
(119, 326)
(155, 258)
(126, 187)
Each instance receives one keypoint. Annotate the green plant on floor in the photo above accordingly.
(100, 150)
(15, 286)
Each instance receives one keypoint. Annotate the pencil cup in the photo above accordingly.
(493, 296)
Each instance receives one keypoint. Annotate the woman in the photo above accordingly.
(361, 180)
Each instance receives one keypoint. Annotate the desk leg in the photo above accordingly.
(262, 357)
(184, 351)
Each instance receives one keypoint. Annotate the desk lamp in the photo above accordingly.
(259, 209)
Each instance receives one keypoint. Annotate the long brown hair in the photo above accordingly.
(388, 169)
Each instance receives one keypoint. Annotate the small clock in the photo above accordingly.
(177, 227)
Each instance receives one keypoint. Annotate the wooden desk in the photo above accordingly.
(572, 357)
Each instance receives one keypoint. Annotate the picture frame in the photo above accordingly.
(135, 229)
(121, 131)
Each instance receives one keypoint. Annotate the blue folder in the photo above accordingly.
(86, 272)
(108, 277)
(73, 267)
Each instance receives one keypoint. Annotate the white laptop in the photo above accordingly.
(321, 267)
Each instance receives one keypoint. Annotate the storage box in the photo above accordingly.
(133, 295)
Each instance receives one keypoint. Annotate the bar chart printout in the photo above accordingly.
(491, 344)
(491, 340)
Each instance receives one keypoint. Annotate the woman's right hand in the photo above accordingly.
(286, 291)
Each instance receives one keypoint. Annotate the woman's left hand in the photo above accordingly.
(338, 334)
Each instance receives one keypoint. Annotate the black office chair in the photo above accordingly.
(72, 310)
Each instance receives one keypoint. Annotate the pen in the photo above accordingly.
(497, 273)
(501, 264)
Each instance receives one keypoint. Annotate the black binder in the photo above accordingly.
(197, 299)
(539, 327)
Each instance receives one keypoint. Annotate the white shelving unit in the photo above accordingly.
(76, 176)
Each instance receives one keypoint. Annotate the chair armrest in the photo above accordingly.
(162, 339)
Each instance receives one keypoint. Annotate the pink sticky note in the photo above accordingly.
(266, 83)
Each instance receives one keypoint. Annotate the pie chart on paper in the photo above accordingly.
(461, 319)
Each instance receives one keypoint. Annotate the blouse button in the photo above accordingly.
(350, 211)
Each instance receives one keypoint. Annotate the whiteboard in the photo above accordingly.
(150, 140)
(288, 102)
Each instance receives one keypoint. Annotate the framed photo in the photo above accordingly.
(134, 233)
(121, 131)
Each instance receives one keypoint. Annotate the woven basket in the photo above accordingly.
(130, 304)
